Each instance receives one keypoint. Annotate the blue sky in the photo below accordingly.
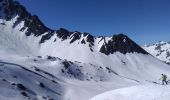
(144, 21)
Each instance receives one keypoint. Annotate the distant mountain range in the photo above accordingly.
(160, 50)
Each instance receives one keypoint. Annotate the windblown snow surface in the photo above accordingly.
(60, 70)
(140, 92)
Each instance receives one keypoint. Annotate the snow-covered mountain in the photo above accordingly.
(160, 50)
(39, 63)
(38, 39)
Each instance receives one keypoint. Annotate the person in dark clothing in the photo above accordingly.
(164, 79)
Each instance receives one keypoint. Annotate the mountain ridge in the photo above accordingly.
(34, 26)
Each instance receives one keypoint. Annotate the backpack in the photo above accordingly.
(164, 77)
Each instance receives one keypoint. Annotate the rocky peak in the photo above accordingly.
(11, 9)
(121, 43)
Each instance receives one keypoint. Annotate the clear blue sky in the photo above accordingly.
(144, 21)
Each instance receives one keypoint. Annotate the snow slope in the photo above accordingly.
(160, 50)
(19, 83)
(83, 82)
(63, 65)
(140, 92)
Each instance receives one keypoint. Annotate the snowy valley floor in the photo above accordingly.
(42, 85)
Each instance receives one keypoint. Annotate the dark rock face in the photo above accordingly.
(32, 23)
(24, 93)
(76, 36)
(35, 26)
(121, 43)
(90, 40)
(46, 37)
(66, 64)
(9, 9)
(51, 58)
(42, 85)
(63, 33)
(70, 70)
(21, 87)
(83, 42)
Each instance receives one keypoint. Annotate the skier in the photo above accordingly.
(163, 78)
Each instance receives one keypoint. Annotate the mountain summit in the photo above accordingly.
(121, 43)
